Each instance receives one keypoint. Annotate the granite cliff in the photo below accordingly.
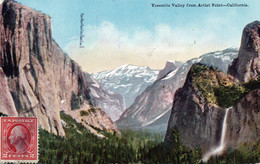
(39, 79)
(197, 112)
(169, 67)
(244, 120)
(243, 124)
(199, 106)
(247, 65)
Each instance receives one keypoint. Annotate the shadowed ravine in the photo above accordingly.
(218, 150)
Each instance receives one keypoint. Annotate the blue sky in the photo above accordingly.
(121, 32)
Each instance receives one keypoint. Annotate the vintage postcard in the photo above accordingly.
(130, 81)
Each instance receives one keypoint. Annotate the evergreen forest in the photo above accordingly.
(80, 146)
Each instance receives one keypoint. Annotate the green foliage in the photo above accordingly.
(84, 113)
(243, 154)
(72, 127)
(80, 146)
(2, 114)
(252, 84)
(228, 95)
(88, 112)
(198, 69)
(94, 110)
(174, 152)
(203, 80)
(131, 147)
(217, 88)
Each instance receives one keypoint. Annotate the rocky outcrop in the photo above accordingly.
(110, 102)
(41, 78)
(195, 113)
(7, 105)
(169, 67)
(243, 124)
(151, 109)
(95, 120)
(247, 65)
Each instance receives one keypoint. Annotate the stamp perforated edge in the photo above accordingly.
(20, 161)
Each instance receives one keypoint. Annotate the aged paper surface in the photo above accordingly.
(130, 81)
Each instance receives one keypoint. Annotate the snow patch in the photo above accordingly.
(94, 93)
(152, 121)
(170, 75)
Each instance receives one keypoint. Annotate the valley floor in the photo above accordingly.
(80, 146)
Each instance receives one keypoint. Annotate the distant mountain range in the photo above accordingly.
(127, 80)
(152, 108)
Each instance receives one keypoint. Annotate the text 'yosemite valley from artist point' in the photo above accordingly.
(183, 5)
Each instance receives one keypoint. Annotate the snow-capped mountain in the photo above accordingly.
(110, 102)
(220, 59)
(152, 108)
(127, 80)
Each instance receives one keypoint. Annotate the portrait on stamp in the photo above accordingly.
(18, 138)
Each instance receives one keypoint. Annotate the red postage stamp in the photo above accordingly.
(19, 139)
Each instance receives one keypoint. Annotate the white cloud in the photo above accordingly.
(107, 47)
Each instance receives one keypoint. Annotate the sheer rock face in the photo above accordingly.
(169, 67)
(243, 124)
(247, 65)
(199, 122)
(6, 100)
(244, 118)
(41, 78)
